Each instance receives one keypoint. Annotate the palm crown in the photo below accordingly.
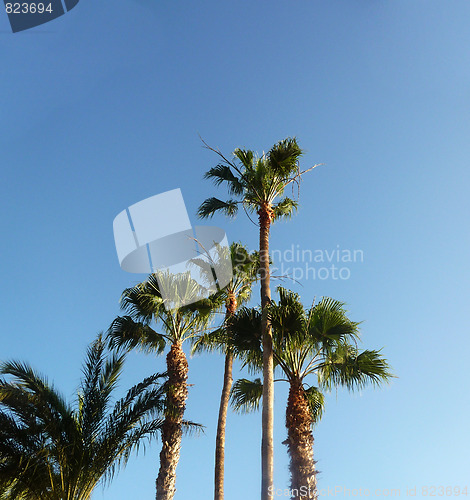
(50, 449)
(244, 269)
(256, 182)
(237, 292)
(320, 341)
(145, 303)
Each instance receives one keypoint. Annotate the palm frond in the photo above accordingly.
(244, 336)
(213, 205)
(223, 173)
(100, 376)
(285, 208)
(287, 316)
(34, 401)
(143, 301)
(348, 367)
(246, 395)
(284, 156)
(126, 333)
(316, 403)
(192, 428)
(216, 340)
(258, 181)
(31, 382)
(50, 450)
(329, 323)
(245, 156)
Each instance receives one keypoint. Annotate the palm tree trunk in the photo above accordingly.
(267, 442)
(220, 438)
(231, 307)
(300, 444)
(172, 429)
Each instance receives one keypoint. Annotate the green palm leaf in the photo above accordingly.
(223, 173)
(212, 205)
(348, 367)
(50, 450)
(316, 403)
(285, 208)
(126, 333)
(246, 395)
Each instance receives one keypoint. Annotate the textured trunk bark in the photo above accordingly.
(231, 307)
(300, 445)
(172, 431)
(267, 442)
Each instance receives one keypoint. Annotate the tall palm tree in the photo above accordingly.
(320, 341)
(51, 450)
(235, 293)
(145, 303)
(258, 184)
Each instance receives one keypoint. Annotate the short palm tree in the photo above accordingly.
(51, 450)
(144, 304)
(235, 293)
(320, 341)
(257, 184)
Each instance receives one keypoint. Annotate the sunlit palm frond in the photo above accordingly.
(329, 323)
(245, 156)
(348, 367)
(284, 157)
(285, 208)
(100, 376)
(178, 289)
(309, 342)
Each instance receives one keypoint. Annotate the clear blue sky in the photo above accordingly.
(102, 108)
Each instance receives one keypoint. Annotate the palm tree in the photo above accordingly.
(145, 303)
(258, 184)
(51, 450)
(320, 341)
(235, 293)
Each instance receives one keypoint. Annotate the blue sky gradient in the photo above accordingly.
(102, 108)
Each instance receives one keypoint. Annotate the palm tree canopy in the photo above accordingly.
(320, 341)
(256, 181)
(50, 449)
(145, 303)
(245, 268)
